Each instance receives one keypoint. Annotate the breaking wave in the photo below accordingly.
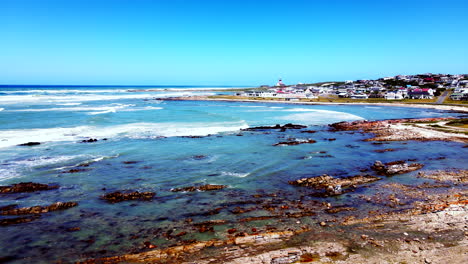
(134, 130)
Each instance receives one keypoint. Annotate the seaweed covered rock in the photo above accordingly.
(39, 209)
(206, 187)
(395, 167)
(117, 197)
(26, 187)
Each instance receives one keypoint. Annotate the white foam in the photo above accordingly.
(234, 174)
(64, 91)
(89, 161)
(43, 161)
(68, 104)
(54, 99)
(29, 99)
(9, 138)
(93, 109)
(1, 109)
(17, 168)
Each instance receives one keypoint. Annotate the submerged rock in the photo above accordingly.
(384, 150)
(395, 167)
(26, 187)
(206, 187)
(117, 197)
(17, 220)
(39, 209)
(30, 144)
(76, 170)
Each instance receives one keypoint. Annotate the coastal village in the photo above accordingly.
(421, 86)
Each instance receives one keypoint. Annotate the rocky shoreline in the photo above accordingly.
(420, 226)
(425, 233)
(405, 129)
(420, 222)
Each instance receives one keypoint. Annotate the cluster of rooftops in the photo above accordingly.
(422, 86)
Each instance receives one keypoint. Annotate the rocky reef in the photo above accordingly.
(395, 167)
(117, 197)
(39, 209)
(422, 129)
(334, 186)
(26, 187)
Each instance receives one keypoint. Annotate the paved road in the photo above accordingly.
(441, 98)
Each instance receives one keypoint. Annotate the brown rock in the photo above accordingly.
(335, 210)
(26, 187)
(40, 209)
(117, 197)
(18, 220)
(395, 167)
(327, 182)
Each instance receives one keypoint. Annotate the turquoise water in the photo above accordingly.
(157, 137)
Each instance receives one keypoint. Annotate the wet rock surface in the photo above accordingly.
(456, 176)
(39, 209)
(206, 187)
(23, 187)
(334, 185)
(117, 197)
(403, 130)
(395, 167)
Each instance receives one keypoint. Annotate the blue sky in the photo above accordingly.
(230, 42)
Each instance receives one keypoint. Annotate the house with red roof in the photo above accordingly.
(421, 93)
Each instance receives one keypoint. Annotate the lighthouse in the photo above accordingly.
(280, 83)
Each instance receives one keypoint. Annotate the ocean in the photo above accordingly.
(148, 144)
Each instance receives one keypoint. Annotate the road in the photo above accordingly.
(441, 98)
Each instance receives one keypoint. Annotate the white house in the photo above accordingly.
(394, 95)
